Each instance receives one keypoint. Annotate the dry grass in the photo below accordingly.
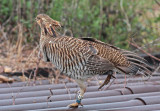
(20, 58)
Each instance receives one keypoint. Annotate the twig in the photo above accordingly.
(14, 5)
(29, 80)
(101, 18)
(51, 91)
(51, 94)
(37, 67)
(126, 17)
(36, 70)
(157, 2)
(14, 97)
(68, 90)
(32, 52)
(152, 42)
(97, 81)
(13, 102)
(125, 81)
(156, 70)
(135, 45)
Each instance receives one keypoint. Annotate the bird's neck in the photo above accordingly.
(47, 36)
(44, 37)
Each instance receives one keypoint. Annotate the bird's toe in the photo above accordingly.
(74, 105)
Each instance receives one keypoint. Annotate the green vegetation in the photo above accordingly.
(112, 21)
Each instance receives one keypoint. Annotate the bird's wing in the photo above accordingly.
(107, 51)
(98, 64)
(123, 60)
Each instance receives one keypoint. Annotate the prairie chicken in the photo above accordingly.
(82, 58)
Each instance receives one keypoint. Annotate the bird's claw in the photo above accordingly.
(75, 105)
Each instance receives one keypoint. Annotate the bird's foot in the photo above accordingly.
(78, 100)
(74, 105)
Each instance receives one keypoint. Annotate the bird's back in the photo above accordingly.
(109, 52)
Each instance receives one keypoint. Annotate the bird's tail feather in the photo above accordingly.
(137, 64)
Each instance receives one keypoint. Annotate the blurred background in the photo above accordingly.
(111, 21)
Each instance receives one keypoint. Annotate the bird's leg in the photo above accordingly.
(79, 95)
(125, 82)
(107, 80)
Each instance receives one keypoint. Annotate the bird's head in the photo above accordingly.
(47, 24)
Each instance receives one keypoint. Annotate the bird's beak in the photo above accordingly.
(35, 19)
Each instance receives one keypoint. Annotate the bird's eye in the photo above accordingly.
(37, 18)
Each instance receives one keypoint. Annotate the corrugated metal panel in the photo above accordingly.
(138, 95)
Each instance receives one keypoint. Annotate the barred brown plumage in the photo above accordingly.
(72, 56)
(82, 58)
